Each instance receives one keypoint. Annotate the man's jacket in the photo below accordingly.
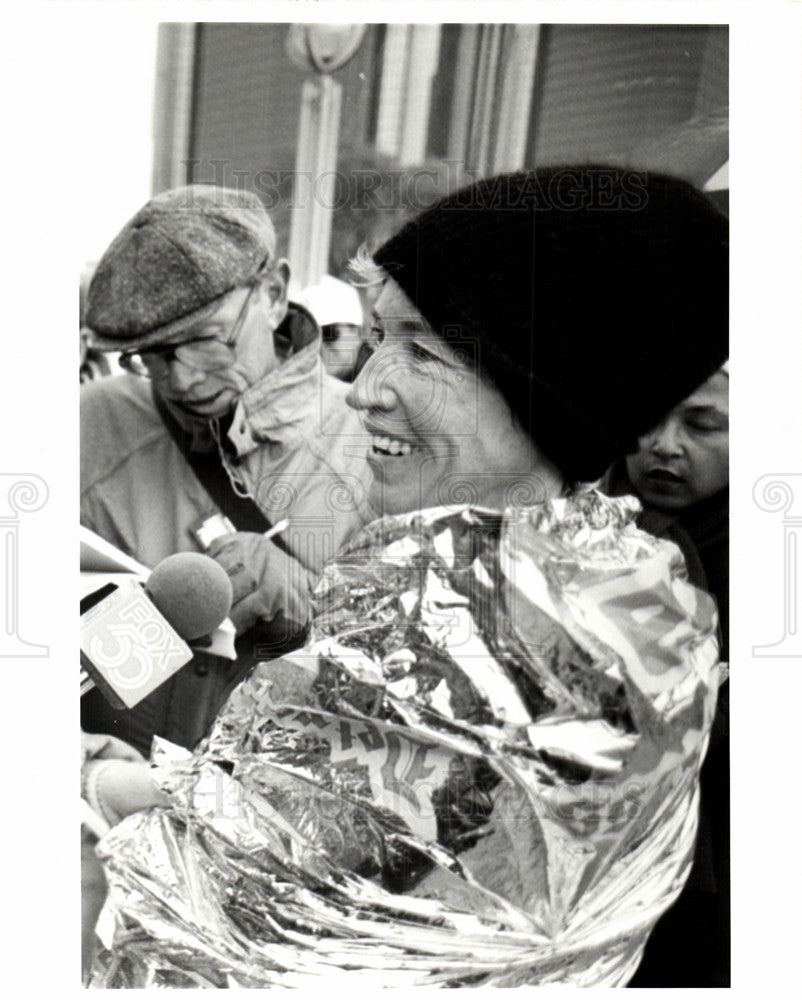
(293, 446)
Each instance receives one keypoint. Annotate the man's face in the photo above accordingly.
(685, 458)
(215, 362)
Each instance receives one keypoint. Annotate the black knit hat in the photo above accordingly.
(598, 298)
(171, 264)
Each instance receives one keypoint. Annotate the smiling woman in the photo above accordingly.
(511, 345)
(482, 768)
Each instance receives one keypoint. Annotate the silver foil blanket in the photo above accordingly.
(482, 769)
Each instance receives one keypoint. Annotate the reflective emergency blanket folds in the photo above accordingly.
(482, 769)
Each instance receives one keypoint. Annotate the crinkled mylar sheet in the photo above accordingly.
(482, 769)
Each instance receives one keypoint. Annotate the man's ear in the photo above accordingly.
(277, 284)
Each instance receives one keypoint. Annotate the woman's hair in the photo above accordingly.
(363, 271)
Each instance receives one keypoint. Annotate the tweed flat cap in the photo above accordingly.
(596, 297)
(172, 263)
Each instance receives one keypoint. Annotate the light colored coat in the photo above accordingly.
(293, 445)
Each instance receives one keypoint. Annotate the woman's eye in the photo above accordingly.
(707, 424)
(420, 353)
(376, 334)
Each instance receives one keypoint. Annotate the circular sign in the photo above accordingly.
(323, 47)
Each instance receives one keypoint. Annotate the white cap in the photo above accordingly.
(332, 301)
(720, 181)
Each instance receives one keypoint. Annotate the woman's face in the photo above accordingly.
(440, 433)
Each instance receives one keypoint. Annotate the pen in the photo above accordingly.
(278, 527)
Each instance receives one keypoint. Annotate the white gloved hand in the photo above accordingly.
(116, 780)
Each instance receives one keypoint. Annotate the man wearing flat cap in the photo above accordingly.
(224, 425)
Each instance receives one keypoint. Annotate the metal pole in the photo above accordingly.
(172, 113)
(315, 189)
(461, 102)
(482, 126)
(515, 103)
(424, 51)
(391, 95)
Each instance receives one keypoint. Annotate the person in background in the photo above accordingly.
(680, 474)
(337, 308)
(224, 424)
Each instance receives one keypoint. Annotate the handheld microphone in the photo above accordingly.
(192, 591)
(133, 637)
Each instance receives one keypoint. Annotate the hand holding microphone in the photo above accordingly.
(264, 580)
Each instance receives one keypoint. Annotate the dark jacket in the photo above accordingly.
(690, 945)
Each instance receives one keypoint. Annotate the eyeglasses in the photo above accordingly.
(207, 355)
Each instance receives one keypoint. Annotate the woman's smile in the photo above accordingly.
(385, 441)
(390, 446)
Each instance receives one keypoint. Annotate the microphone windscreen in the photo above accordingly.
(192, 591)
